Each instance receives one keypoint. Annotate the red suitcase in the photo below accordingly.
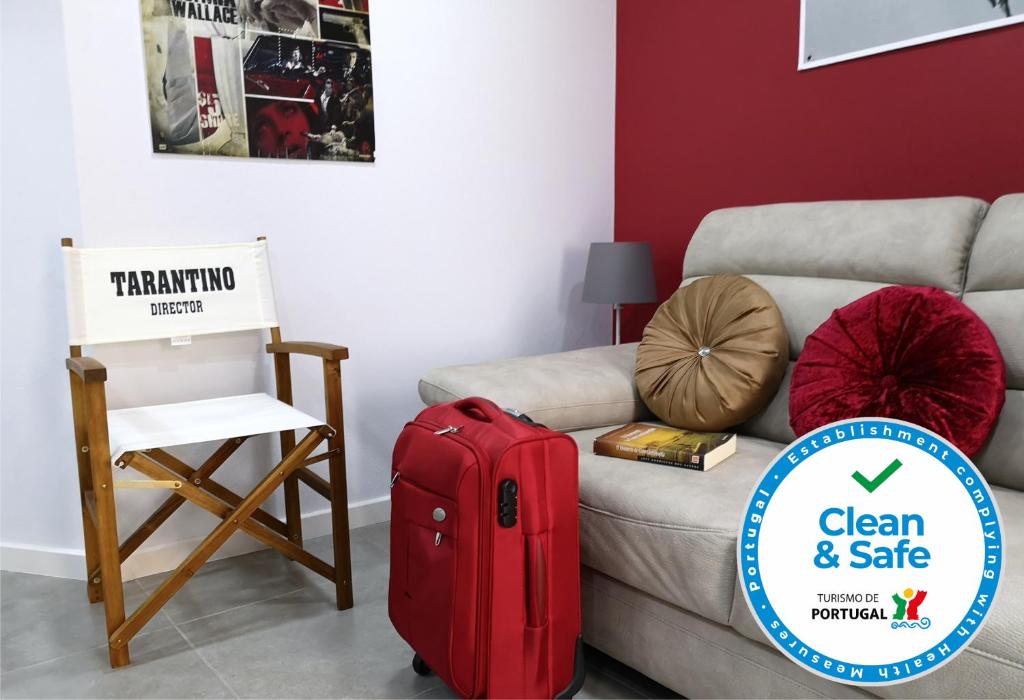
(485, 570)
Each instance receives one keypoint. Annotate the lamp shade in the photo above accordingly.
(619, 273)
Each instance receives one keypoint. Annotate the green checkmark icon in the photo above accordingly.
(872, 484)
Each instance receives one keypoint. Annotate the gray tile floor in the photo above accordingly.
(256, 626)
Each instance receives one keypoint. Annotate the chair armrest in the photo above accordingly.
(89, 369)
(324, 350)
(565, 391)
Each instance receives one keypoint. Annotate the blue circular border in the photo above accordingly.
(749, 544)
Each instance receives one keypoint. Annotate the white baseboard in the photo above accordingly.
(70, 563)
(46, 561)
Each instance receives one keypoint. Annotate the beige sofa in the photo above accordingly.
(658, 544)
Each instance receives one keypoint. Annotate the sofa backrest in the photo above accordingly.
(995, 291)
(818, 256)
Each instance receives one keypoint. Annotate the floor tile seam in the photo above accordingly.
(237, 607)
(423, 692)
(197, 652)
(83, 650)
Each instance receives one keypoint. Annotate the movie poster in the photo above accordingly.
(260, 78)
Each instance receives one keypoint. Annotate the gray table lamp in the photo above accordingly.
(617, 274)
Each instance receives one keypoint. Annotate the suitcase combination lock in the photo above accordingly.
(508, 503)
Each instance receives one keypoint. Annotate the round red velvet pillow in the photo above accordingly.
(912, 353)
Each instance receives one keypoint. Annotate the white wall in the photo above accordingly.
(38, 506)
(465, 241)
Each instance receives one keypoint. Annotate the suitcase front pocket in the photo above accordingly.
(430, 566)
(426, 541)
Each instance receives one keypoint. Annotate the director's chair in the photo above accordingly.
(128, 294)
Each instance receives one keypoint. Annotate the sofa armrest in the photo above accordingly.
(565, 391)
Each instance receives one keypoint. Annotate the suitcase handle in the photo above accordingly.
(536, 581)
(486, 408)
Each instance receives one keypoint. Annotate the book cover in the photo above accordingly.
(642, 442)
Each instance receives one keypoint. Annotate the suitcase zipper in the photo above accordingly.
(453, 429)
(483, 628)
(437, 535)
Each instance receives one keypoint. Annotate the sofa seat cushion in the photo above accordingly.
(993, 665)
(667, 531)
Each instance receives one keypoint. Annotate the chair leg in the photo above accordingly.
(339, 487)
(93, 589)
(292, 506)
(106, 518)
(342, 547)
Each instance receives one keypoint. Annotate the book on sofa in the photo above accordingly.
(659, 444)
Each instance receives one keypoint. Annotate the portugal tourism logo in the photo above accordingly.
(870, 551)
(907, 605)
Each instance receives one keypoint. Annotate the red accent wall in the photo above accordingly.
(711, 112)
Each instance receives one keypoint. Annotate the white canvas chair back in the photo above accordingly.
(124, 294)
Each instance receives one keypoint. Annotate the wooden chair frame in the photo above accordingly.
(104, 554)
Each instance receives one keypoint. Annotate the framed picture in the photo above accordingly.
(840, 30)
(286, 79)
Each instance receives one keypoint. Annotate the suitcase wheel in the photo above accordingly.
(420, 666)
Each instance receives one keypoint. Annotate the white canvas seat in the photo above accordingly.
(117, 295)
(189, 422)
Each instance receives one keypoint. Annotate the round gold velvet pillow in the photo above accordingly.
(713, 355)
